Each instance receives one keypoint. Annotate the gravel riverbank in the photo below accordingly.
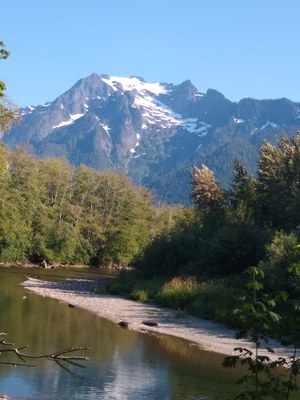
(208, 335)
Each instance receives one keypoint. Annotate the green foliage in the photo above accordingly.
(278, 187)
(8, 115)
(132, 285)
(206, 299)
(280, 255)
(236, 228)
(50, 211)
(257, 320)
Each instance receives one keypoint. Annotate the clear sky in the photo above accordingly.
(242, 48)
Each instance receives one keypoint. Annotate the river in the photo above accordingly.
(122, 365)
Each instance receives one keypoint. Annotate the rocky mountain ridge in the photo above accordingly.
(154, 132)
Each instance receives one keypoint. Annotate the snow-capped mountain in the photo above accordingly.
(154, 132)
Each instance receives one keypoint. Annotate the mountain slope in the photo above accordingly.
(154, 132)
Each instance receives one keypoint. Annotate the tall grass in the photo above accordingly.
(206, 299)
(211, 300)
(179, 292)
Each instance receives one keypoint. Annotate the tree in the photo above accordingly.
(207, 193)
(243, 188)
(3, 55)
(278, 186)
(8, 115)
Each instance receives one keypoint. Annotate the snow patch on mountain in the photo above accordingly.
(192, 125)
(238, 120)
(73, 117)
(140, 155)
(154, 112)
(133, 83)
(157, 113)
(103, 125)
(28, 110)
(138, 137)
(268, 123)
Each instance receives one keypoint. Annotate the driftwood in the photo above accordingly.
(58, 356)
(150, 323)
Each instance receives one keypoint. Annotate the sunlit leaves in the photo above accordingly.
(62, 215)
(207, 193)
(278, 183)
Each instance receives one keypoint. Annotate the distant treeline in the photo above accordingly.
(53, 212)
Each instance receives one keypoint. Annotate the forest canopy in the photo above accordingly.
(234, 228)
(51, 211)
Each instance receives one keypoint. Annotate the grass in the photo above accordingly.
(132, 285)
(179, 292)
(206, 299)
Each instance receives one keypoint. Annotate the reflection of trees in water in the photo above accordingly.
(123, 363)
(191, 371)
(47, 325)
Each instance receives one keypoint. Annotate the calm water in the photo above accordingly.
(123, 364)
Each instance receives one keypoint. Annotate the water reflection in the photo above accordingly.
(123, 364)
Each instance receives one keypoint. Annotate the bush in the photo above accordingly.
(140, 295)
(280, 256)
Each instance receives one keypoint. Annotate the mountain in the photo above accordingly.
(154, 132)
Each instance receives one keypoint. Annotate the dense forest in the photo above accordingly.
(255, 221)
(200, 264)
(50, 211)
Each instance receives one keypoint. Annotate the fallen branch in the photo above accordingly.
(62, 355)
(58, 355)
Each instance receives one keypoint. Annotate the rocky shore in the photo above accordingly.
(145, 318)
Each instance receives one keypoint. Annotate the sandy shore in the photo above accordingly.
(208, 335)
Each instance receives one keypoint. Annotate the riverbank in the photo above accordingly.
(145, 318)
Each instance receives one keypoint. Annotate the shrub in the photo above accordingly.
(140, 295)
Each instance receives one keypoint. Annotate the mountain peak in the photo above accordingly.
(133, 83)
(152, 131)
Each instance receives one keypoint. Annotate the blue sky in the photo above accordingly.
(243, 48)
